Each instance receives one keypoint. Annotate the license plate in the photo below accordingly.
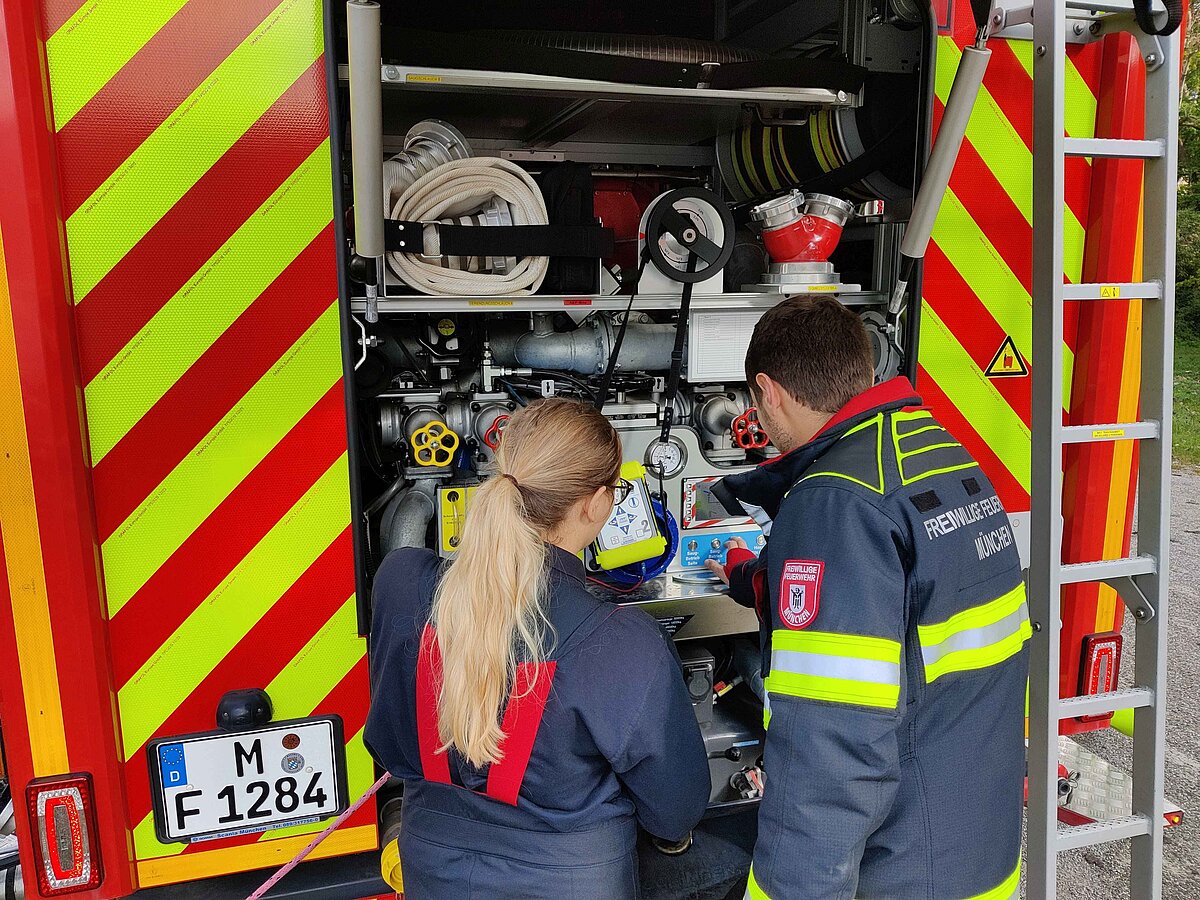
(222, 783)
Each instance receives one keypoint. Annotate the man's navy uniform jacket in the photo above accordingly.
(604, 737)
(894, 630)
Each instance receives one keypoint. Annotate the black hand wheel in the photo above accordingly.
(673, 216)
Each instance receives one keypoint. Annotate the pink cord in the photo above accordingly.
(333, 826)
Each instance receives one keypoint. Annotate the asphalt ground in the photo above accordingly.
(1101, 873)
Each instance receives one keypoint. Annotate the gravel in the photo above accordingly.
(1101, 873)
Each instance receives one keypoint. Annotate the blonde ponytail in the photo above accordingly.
(488, 608)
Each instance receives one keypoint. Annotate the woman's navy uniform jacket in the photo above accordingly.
(605, 739)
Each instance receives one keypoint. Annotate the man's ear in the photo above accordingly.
(766, 391)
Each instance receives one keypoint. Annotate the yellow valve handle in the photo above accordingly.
(389, 866)
(434, 445)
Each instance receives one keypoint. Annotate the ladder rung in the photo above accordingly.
(1100, 704)
(1120, 148)
(1117, 431)
(1105, 832)
(1076, 573)
(1144, 290)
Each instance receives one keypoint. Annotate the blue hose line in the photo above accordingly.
(651, 568)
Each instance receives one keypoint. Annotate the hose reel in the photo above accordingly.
(687, 235)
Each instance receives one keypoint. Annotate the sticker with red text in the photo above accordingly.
(800, 592)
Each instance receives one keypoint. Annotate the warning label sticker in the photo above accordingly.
(1008, 362)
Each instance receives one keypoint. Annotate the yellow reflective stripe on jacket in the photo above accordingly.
(838, 668)
(976, 638)
(1009, 889)
(753, 891)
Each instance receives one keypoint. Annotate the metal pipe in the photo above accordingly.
(366, 139)
(407, 517)
(586, 349)
(936, 178)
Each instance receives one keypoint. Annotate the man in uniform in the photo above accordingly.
(894, 630)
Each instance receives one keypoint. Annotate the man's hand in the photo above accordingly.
(719, 570)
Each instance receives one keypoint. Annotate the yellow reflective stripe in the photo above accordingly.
(323, 662)
(838, 668)
(1079, 113)
(220, 291)
(876, 422)
(22, 544)
(748, 159)
(818, 144)
(92, 46)
(1005, 153)
(920, 450)
(1009, 888)
(834, 690)
(231, 610)
(970, 390)
(829, 643)
(975, 617)
(971, 252)
(215, 466)
(976, 638)
(753, 891)
(792, 179)
(172, 159)
(772, 176)
(736, 166)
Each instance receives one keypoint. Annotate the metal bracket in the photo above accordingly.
(1136, 602)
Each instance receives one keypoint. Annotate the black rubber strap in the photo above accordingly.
(602, 394)
(439, 50)
(1142, 11)
(591, 241)
(681, 330)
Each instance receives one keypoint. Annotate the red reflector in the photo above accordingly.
(1101, 665)
(65, 841)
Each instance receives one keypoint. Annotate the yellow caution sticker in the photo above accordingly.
(1008, 362)
(489, 303)
(814, 288)
(424, 79)
(1102, 433)
(1110, 292)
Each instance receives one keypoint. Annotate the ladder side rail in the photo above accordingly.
(1154, 467)
(1045, 576)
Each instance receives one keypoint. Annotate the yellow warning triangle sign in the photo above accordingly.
(1008, 362)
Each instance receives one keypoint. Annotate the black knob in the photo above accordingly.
(733, 754)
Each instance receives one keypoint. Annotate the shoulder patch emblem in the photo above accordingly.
(800, 592)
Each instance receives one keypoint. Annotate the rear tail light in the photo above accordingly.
(65, 840)
(1101, 665)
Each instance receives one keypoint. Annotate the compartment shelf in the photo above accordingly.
(426, 303)
(540, 112)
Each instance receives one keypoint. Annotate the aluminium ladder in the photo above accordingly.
(1140, 580)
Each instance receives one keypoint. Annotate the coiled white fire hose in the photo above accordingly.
(460, 188)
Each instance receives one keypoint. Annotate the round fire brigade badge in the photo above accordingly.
(800, 592)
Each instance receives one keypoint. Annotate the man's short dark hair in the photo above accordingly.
(816, 349)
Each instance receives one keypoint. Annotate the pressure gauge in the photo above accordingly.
(667, 458)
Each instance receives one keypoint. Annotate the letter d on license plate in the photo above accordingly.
(223, 783)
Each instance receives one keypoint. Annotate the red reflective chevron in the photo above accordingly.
(212, 551)
(138, 98)
(207, 391)
(257, 658)
(175, 248)
(1009, 490)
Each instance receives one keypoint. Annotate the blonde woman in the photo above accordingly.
(533, 725)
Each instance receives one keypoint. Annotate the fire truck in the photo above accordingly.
(274, 274)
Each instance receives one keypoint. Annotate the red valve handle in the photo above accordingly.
(495, 431)
(748, 432)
